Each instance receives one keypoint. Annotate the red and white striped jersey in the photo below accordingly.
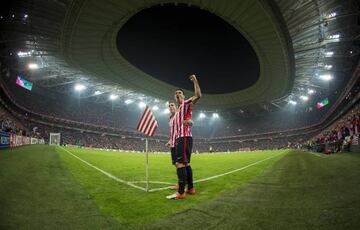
(184, 113)
(172, 127)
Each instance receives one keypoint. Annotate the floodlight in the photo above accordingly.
(326, 77)
(202, 115)
(113, 96)
(79, 87)
(128, 101)
(304, 98)
(33, 66)
(142, 104)
(329, 54)
(328, 67)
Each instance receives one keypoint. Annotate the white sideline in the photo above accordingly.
(104, 172)
(220, 175)
(316, 154)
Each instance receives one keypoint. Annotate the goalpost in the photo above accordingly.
(54, 139)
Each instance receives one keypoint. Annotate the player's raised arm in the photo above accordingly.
(197, 90)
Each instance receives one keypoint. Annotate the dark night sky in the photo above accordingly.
(171, 42)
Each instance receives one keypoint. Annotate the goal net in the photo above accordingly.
(54, 139)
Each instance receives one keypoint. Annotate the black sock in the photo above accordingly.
(181, 173)
(189, 177)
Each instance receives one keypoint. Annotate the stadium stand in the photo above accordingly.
(340, 135)
(99, 127)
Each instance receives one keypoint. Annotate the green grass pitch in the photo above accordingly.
(113, 197)
(47, 187)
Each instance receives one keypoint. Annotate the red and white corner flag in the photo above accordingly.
(147, 124)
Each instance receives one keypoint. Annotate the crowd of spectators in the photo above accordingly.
(71, 135)
(157, 144)
(89, 113)
(254, 144)
(89, 124)
(10, 124)
(339, 135)
(347, 126)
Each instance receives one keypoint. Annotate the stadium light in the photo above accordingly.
(97, 92)
(335, 37)
(113, 97)
(202, 115)
(292, 102)
(329, 54)
(156, 100)
(328, 67)
(331, 15)
(128, 101)
(311, 91)
(142, 104)
(166, 111)
(155, 108)
(24, 54)
(215, 115)
(33, 66)
(326, 77)
(79, 87)
(304, 98)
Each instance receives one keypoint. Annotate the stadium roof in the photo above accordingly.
(88, 41)
(295, 41)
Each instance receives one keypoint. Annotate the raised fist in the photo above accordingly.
(193, 78)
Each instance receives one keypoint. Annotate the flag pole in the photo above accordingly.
(147, 165)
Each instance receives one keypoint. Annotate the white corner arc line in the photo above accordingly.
(105, 173)
(220, 175)
(150, 182)
(235, 170)
(159, 189)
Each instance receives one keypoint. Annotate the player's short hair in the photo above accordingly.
(180, 90)
(171, 101)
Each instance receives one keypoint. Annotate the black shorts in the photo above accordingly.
(173, 155)
(183, 149)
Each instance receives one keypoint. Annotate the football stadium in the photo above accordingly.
(187, 114)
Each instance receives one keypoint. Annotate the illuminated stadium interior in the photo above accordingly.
(276, 76)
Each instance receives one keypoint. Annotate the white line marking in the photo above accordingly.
(159, 182)
(105, 173)
(150, 182)
(316, 154)
(235, 170)
(159, 189)
(219, 175)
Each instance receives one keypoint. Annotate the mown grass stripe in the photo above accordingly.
(219, 175)
(104, 172)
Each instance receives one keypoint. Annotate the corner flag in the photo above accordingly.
(147, 124)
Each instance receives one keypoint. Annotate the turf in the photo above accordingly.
(43, 187)
(301, 191)
(133, 206)
(38, 192)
